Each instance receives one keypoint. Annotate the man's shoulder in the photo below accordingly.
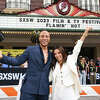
(33, 47)
(51, 53)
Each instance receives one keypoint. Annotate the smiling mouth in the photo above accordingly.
(44, 41)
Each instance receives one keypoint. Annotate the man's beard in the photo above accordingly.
(44, 45)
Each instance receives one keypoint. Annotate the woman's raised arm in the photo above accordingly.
(85, 34)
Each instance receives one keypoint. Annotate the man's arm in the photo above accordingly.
(15, 61)
(1, 56)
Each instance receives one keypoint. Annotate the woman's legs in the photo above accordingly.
(64, 93)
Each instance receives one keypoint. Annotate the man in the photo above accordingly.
(82, 66)
(35, 85)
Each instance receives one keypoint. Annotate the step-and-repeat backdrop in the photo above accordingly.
(11, 76)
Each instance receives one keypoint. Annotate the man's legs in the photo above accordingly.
(80, 78)
(84, 78)
(43, 97)
(27, 96)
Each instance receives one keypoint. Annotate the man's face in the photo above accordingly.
(44, 38)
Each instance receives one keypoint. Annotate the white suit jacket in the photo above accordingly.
(72, 65)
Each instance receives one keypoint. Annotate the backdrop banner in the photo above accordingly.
(11, 76)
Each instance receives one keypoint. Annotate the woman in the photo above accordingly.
(92, 69)
(65, 83)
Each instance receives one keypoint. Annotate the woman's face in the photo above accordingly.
(58, 55)
(91, 62)
(83, 60)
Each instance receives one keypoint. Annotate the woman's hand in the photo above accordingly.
(85, 34)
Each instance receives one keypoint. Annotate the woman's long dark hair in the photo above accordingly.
(64, 54)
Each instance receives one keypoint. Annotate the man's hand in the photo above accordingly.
(1, 55)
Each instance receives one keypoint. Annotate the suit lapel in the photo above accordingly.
(43, 65)
(47, 65)
(39, 57)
